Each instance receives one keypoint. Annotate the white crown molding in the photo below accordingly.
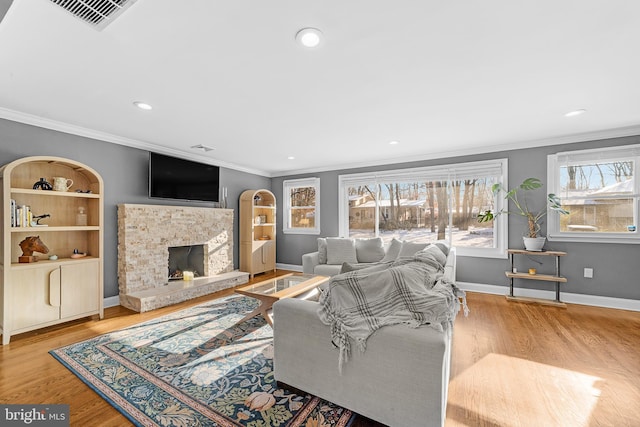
(565, 139)
(42, 122)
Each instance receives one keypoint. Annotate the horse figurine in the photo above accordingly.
(30, 245)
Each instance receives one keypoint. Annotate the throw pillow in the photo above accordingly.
(444, 247)
(409, 249)
(369, 250)
(341, 250)
(322, 250)
(394, 250)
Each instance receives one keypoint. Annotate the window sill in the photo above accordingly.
(628, 239)
(303, 231)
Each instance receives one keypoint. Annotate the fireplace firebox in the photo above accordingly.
(186, 258)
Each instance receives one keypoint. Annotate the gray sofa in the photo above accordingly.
(400, 380)
(333, 252)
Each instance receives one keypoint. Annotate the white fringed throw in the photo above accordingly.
(411, 291)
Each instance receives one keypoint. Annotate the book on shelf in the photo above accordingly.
(23, 216)
(13, 213)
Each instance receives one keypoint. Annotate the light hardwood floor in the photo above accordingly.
(513, 364)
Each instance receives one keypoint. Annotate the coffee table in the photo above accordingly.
(269, 291)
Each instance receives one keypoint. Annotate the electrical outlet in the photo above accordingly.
(588, 273)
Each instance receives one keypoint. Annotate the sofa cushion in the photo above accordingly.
(369, 266)
(341, 250)
(394, 249)
(369, 250)
(327, 269)
(322, 250)
(409, 249)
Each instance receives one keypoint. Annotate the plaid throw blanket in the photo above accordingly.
(412, 291)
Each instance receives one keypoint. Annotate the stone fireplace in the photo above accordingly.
(145, 234)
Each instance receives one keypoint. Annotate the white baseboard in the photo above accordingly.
(111, 301)
(291, 267)
(593, 300)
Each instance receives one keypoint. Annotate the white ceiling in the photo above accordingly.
(440, 77)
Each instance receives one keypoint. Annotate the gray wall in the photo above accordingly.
(124, 171)
(614, 265)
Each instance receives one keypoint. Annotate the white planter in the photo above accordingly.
(534, 244)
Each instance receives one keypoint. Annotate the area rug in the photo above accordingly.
(196, 367)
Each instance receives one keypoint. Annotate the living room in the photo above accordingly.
(29, 128)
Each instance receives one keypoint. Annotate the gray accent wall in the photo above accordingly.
(124, 171)
(614, 265)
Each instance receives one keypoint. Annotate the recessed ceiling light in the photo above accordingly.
(143, 105)
(575, 113)
(291, 158)
(309, 37)
(394, 142)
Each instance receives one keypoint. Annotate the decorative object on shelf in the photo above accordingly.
(53, 257)
(532, 241)
(532, 271)
(77, 254)
(257, 220)
(256, 199)
(30, 245)
(223, 197)
(37, 218)
(81, 216)
(631, 228)
(61, 183)
(187, 275)
(43, 184)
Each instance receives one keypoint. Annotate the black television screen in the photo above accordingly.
(173, 178)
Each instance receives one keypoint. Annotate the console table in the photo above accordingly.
(557, 278)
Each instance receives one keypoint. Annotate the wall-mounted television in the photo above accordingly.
(174, 178)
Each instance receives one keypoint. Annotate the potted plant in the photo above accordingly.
(532, 241)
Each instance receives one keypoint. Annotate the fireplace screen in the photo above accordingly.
(186, 258)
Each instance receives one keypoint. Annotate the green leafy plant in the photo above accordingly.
(520, 203)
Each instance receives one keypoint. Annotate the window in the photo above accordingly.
(427, 204)
(301, 206)
(600, 189)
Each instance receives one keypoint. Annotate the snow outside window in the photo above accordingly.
(600, 189)
(427, 204)
(301, 206)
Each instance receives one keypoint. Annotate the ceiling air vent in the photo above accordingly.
(97, 13)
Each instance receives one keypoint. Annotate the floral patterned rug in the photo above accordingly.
(196, 367)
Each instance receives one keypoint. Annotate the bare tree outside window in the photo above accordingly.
(302, 206)
(419, 211)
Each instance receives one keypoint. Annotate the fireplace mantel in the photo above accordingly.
(145, 233)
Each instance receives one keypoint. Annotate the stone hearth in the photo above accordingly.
(145, 233)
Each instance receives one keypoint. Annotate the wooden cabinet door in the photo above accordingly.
(264, 256)
(35, 296)
(269, 256)
(79, 289)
